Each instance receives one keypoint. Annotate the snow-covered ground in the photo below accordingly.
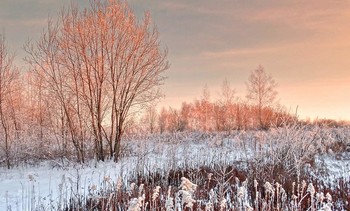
(26, 188)
(51, 183)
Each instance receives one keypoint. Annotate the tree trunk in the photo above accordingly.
(7, 147)
(117, 144)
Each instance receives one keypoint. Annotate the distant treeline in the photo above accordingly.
(203, 115)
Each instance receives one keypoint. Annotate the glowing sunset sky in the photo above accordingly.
(304, 45)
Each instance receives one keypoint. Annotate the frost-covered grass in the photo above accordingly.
(213, 193)
(278, 156)
(51, 184)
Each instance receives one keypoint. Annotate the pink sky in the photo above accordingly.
(304, 45)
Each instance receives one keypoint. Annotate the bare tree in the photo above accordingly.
(226, 102)
(45, 57)
(104, 65)
(261, 92)
(162, 120)
(176, 122)
(150, 118)
(185, 113)
(8, 76)
(227, 94)
(206, 109)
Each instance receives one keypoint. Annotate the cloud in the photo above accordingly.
(237, 52)
(315, 15)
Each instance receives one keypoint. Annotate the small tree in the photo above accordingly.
(226, 103)
(8, 76)
(150, 118)
(205, 109)
(163, 120)
(261, 92)
(227, 94)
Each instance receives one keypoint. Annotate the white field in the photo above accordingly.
(51, 183)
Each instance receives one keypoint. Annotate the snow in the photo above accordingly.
(333, 167)
(51, 183)
(27, 187)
